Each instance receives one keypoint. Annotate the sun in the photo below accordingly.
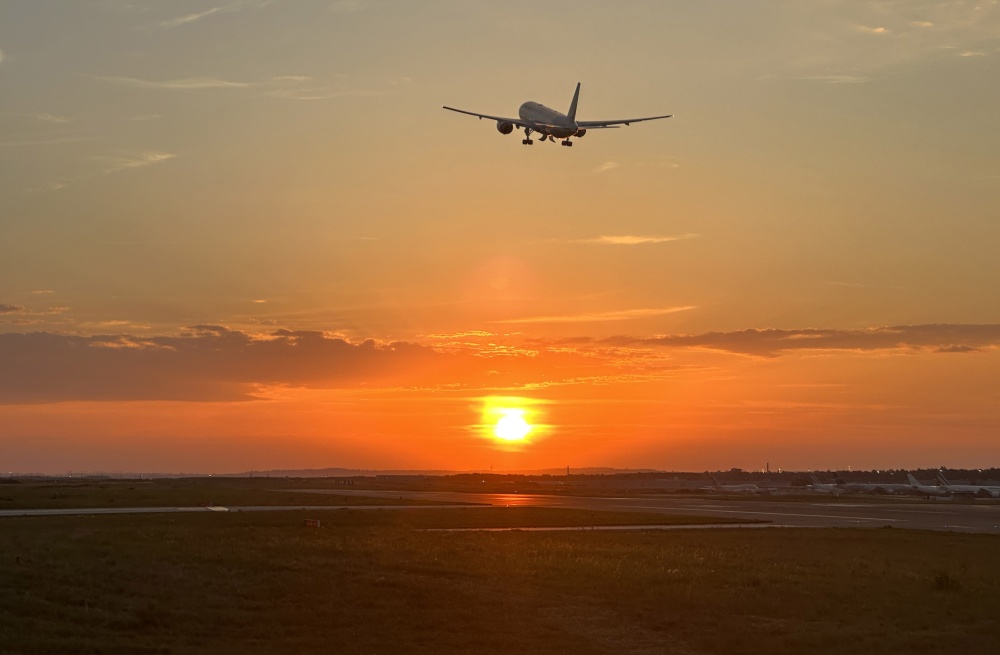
(511, 422)
(511, 426)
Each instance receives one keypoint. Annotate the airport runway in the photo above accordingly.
(823, 512)
(906, 513)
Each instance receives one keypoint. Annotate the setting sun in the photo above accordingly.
(510, 420)
(512, 426)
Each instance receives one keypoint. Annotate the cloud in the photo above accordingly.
(871, 30)
(600, 317)
(606, 166)
(294, 87)
(135, 160)
(838, 79)
(190, 18)
(10, 309)
(214, 363)
(53, 118)
(630, 240)
(772, 343)
(47, 141)
(183, 84)
(187, 19)
(347, 6)
(205, 363)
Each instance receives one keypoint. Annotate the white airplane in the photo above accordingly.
(825, 488)
(732, 488)
(878, 488)
(922, 489)
(551, 124)
(981, 491)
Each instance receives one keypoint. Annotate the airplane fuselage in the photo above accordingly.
(548, 121)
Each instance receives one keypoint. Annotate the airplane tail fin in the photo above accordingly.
(837, 479)
(942, 480)
(571, 114)
(913, 481)
(813, 479)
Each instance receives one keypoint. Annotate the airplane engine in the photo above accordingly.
(580, 133)
(503, 127)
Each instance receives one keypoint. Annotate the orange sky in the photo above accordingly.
(244, 235)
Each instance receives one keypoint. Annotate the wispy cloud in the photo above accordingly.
(461, 335)
(214, 363)
(115, 163)
(632, 240)
(292, 87)
(183, 84)
(871, 30)
(838, 79)
(319, 93)
(347, 6)
(190, 18)
(9, 309)
(46, 141)
(601, 317)
(772, 343)
(53, 118)
(236, 5)
(606, 166)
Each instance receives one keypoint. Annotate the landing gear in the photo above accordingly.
(527, 137)
(568, 143)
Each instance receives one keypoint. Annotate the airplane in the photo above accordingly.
(878, 488)
(922, 489)
(828, 488)
(732, 488)
(551, 124)
(978, 490)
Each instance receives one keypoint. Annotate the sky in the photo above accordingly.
(243, 235)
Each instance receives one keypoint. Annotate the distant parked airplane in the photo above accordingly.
(979, 490)
(878, 488)
(551, 124)
(732, 488)
(825, 488)
(924, 489)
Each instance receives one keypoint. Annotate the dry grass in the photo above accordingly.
(370, 582)
(170, 492)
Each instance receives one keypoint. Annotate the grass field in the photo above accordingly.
(373, 582)
(179, 492)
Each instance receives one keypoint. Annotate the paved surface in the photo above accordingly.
(908, 513)
(899, 513)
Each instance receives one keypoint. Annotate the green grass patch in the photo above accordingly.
(369, 582)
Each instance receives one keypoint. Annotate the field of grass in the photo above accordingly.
(372, 582)
(179, 492)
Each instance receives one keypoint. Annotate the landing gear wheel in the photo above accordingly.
(568, 143)
(527, 142)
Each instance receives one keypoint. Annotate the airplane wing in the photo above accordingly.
(596, 125)
(512, 121)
